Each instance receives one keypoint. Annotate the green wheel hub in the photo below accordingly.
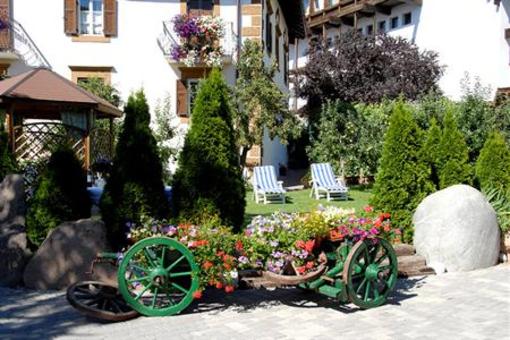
(157, 277)
(370, 272)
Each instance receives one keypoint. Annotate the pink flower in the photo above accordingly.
(368, 208)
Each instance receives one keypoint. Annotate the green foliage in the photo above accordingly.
(260, 104)
(432, 106)
(135, 187)
(97, 86)
(403, 179)
(8, 163)
(164, 131)
(61, 195)
(350, 137)
(500, 201)
(431, 151)
(493, 164)
(453, 157)
(208, 178)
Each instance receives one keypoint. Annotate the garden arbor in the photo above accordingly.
(44, 110)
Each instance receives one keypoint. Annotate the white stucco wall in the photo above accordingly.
(467, 34)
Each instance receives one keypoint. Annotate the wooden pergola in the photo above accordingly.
(43, 109)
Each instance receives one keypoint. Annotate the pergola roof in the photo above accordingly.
(43, 91)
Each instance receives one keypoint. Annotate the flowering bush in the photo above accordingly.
(200, 39)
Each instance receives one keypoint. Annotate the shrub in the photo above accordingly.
(500, 201)
(493, 164)
(61, 195)
(431, 151)
(135, 187)
(7, 161)
(208, 178)
(403, 179)
(453, 155)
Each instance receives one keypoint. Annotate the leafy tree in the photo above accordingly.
(431, 151)
(164, 132)
(367, 69)
(453, 160)
(403, 179)
(97, 86)
(493, 164)
(135, 187)
(433, 105)
(260, 104)
(8, 164)
(208, 179)
(61, 195)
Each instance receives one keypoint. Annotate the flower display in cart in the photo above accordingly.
(199, 40)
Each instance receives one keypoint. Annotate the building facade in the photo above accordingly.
(129, 44)
(470, 36)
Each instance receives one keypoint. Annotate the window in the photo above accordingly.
(91, 17)
(394, 22)
(370, 29)
(277, 50)
(192, 89)
(286, 68)
(81, 74)
(382, 26)
(407, 18)
(360, 30)
(200, 7)
(269, 34)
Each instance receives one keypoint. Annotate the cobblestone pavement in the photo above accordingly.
(474, 305)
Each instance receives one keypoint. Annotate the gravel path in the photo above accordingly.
(473, 305)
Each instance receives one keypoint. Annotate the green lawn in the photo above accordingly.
(300, 201)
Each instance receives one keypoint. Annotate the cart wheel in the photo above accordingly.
(370, 272)
(157, 276)
(100, 301)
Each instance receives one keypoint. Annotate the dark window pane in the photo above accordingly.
(407, 19)
(394, 22)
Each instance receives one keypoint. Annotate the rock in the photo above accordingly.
(66, 255)
(13, 239)
(457, 229)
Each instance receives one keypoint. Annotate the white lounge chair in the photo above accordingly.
(324, 183)
(265, 185)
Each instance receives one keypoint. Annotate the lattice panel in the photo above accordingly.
(100, 146)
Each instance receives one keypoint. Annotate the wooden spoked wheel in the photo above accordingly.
(158, 276)
(100, 301)
(370, 272)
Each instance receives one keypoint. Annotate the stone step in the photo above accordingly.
(404, 249)
(413, 265)
(424, 271)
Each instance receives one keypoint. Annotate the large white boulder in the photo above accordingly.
(456, 229)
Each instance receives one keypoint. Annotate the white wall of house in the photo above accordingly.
(468, 35)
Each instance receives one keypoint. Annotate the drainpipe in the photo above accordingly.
(239, 29)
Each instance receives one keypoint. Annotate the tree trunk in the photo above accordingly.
(244, 154)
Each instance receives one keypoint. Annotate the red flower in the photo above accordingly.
(309, 265)
(239, 245)
(227, 258)
(386, 215)
(368, 208)
(207, 265)
(229, 289)
(219, 285)
(220, 253)
(227, 266)
(301, 270)
(197, 294)
(309, 245)
(386, 228)
(378, 223)
(300, 244)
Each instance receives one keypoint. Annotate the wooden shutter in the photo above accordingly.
(182, 99)
(71, 17)
(110, 18)
(5, 30)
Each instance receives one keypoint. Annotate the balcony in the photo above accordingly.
(191, 47)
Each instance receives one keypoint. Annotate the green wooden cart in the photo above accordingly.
(157, 276)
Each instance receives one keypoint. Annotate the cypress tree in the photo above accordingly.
(454, 167)
(60, 195)
(7, 161)
(493, 164)
(135, 186)
(431, 149)
(403, 179)
(208, 179)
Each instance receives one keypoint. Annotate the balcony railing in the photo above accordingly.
(168, 38)
(15, 40)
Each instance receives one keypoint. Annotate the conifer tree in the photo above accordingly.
(453, 162)
(403, 179)
(431, 150)
(208, 179)
(135, 187)
(493, 164)
(60, 195)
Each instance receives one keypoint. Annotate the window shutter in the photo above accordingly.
(5, 33)
(182, 99)
(110, 18)
(71, 17)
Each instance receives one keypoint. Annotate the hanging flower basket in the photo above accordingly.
(199, 40)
